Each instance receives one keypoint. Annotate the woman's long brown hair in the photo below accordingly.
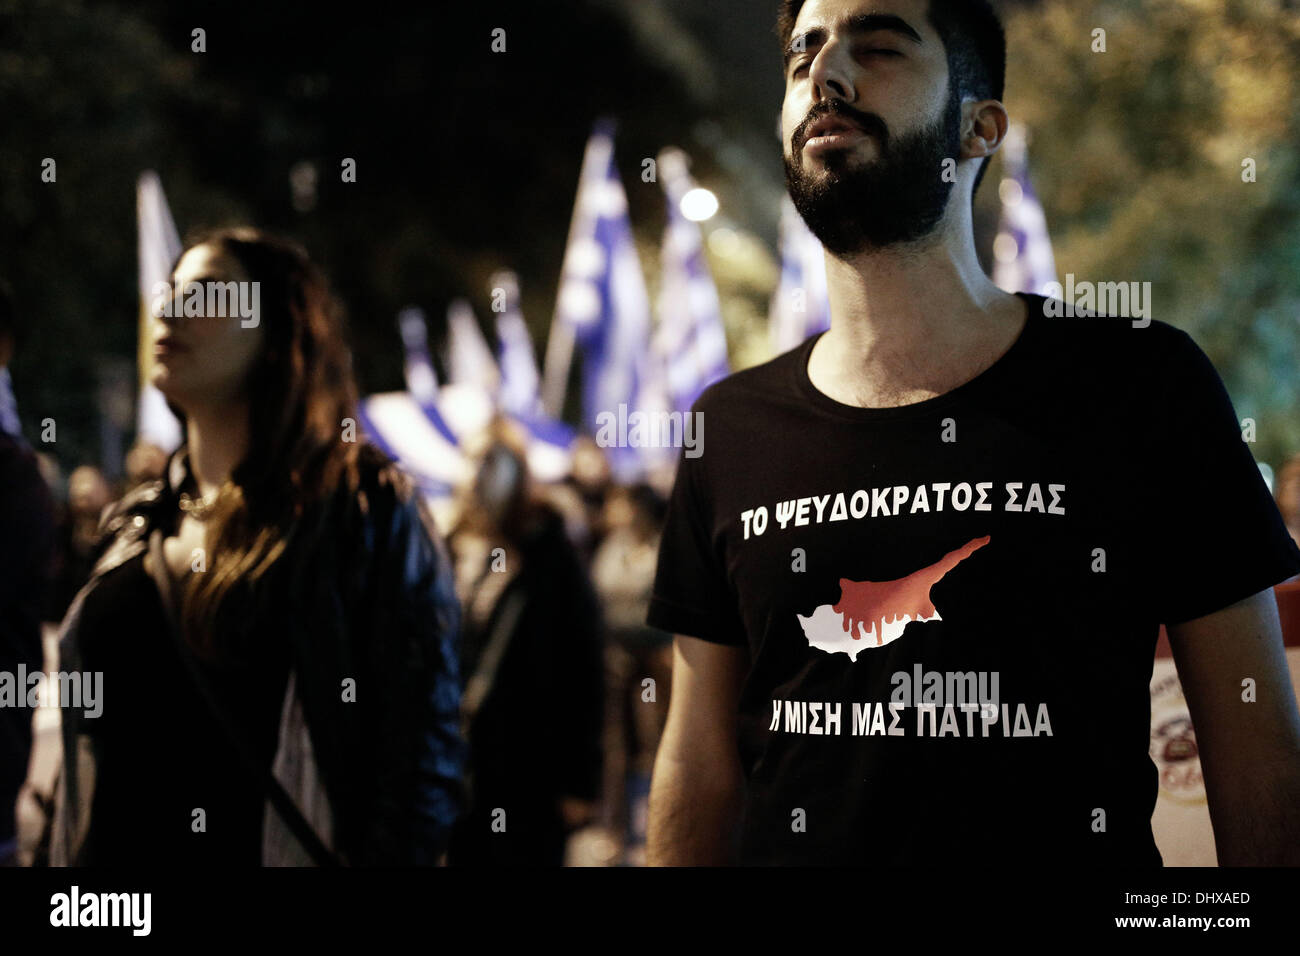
(300, 391)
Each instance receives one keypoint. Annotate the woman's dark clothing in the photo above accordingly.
(364, 733)
(162, 755)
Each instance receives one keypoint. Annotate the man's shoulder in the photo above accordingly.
(1119, 334)
(1119, 349)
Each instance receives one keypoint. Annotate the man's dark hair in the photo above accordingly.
(973, 37)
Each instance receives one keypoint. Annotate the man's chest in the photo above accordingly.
(840, 544)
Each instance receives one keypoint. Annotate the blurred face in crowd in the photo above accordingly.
(500, 474)
(204, 359)
(590, 466)
(145, 462)
(619, 510)
(879, 73)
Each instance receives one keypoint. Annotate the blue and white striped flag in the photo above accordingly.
(402, 428)
(469, 360)
(421, 379)
(690, 343)
(800, 306)
(603, 307)
(520, 392)
(1022, 251)
(158, 246)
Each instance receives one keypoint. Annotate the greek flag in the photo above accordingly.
(423, 428)
(691, 344)
(519, 393)
(603, 308)
(158, 246)
(800, 307)
(469, 360)
(421, 379)
(1022, 251)
(402, 428)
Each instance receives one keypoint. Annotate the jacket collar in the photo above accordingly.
(178, 470)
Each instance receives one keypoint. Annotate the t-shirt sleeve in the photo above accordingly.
(691, 595)
(1220, 537)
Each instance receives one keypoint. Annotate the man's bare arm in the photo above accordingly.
(696, 790)
(1250, 752)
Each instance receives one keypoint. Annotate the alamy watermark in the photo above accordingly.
(1118, 299)
(640, 429)
(80, 690)
(75, 908)
(212, 299)
(921, 687)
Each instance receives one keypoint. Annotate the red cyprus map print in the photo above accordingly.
(887, 606)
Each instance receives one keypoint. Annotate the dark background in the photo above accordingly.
(467, 161)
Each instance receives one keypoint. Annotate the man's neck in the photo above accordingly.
(911, 323)
(217, 440)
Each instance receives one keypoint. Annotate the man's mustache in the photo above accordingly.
(869, 123)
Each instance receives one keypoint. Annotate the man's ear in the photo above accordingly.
(983, 128)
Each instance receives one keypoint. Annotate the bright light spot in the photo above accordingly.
(699, 204)
(1010, 192)
(1005, 247)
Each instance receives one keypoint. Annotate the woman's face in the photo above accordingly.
(205, 359)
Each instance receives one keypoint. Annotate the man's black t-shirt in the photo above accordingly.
(951, 607)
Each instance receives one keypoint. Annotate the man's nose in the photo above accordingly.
(832, 72)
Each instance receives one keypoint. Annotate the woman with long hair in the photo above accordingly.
(275, 620)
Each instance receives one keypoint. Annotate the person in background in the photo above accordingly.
(144, 462)
(623, 572)
(76, 537)
(533, 701)
(274, 620)
(590, 477)
(26, 546)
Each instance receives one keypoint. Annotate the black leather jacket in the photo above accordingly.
(378, 777)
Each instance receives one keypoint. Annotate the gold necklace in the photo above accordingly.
(198, 508)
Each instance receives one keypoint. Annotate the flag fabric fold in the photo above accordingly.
(690, 342)
(800, 306)
(1022, 250)
(520, 389)
(603, 308)
(158, 247)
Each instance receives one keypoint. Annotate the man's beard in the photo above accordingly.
(898, 197)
